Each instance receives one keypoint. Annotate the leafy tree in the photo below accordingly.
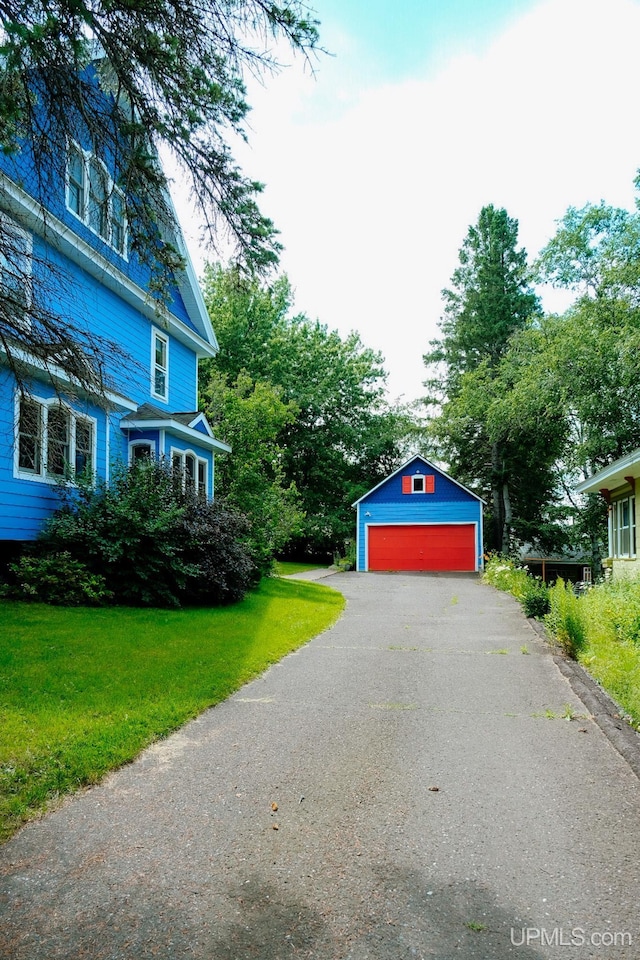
(490, 299)
(137, 78)
(343, 436)
(252, 417)
(593, 348)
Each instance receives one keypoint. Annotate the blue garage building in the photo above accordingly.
(419, 518)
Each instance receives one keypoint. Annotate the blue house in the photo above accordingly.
(70, 246)
(419, 518)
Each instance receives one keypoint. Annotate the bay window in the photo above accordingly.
(190, 472)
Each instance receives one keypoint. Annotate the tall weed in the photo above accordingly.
(505, 574)
(564, 620)
(617, 602)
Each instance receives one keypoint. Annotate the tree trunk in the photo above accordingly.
(506, 524)
(497, 497)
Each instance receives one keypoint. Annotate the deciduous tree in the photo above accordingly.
(252, 417)
(344, 436)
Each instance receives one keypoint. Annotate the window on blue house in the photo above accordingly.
(75, 182)
(141, 451)
(52, 440)
(83, 447)
(418, 483)
(202, 479)
(94, 198)
(159, 365)
(58, 441)
(98, 204)
(190, 472)
(30, 436)
(118, 222)
(15, 269)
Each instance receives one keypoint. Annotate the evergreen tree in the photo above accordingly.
(490, 298)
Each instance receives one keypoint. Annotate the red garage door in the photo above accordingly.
(446, 546)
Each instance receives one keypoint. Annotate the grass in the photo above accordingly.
(284, 568)
(83, 691)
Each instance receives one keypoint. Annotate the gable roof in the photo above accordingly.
(427, 463)
(190, 426)
(612, 476)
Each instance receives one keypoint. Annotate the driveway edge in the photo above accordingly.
(605, 711)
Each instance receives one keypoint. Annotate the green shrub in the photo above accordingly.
(564, 620)
(215, 550)
(349, 560)
(154, 544)
(535, 598)
(58, 579)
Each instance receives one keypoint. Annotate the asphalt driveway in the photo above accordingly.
(420, 781)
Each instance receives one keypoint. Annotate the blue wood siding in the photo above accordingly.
(105, 314)
(446, 489)
(19, 167)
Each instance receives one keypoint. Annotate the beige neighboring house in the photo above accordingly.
(617, 485)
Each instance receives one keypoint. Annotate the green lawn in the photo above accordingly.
(285, 568)
(84, 690)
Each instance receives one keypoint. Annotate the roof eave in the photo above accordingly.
(612, 476)
(178, 429)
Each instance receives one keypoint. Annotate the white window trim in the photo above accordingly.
(142, 443)
(201, 462)
(155, 336)
(43, 476)
(88, 157)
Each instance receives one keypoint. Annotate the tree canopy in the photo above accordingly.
(339, 437)
(490, 297)
(593, 348)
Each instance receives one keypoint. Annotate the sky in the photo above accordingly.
(377, 161)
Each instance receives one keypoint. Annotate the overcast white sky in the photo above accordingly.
(428, 110)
